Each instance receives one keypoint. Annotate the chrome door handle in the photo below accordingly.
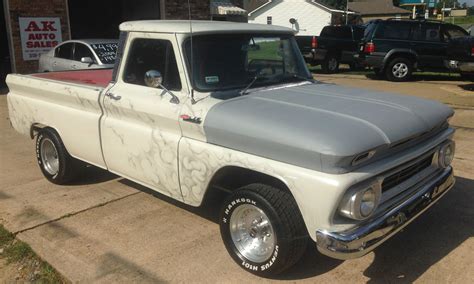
(112, 96)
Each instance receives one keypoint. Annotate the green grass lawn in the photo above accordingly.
(461, 20)
(21, 254)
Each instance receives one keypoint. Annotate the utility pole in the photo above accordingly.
(347, 11)
(442, 11)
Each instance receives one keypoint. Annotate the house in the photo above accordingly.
(308, 17)
(377, 9)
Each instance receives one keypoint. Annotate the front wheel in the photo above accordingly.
(399, 70)
(262, 229)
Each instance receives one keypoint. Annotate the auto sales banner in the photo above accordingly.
(39, 35)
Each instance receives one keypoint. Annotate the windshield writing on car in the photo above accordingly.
(224, 62)
(107, 52)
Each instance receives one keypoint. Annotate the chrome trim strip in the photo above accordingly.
(361, 240)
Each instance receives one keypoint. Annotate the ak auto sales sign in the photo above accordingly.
(39, 35)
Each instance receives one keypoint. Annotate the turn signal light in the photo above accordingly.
(369, 47)
(314, 42)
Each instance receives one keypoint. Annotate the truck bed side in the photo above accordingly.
(57, 100)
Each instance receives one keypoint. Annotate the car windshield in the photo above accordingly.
(107, 52)
(237, 61)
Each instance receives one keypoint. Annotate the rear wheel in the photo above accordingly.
(262, 229)
(399, 70)
(330, 64)
(53, 159)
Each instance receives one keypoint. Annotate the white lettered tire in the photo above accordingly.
(53, 159)
(262, 229)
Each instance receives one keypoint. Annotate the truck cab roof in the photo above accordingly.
(199, 27)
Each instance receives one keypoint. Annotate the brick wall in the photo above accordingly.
(36, 8)
(178, 9)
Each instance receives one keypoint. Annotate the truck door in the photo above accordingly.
(140, 131)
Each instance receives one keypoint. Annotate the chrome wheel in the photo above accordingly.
(49, 156)
(400, 70)
(252, 233)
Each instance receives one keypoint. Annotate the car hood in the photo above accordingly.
(320, 126)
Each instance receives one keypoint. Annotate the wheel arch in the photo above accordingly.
(406, 53)
(37, 127)
(230, 178)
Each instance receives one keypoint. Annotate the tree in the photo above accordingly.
(338, 4)
(449, 3)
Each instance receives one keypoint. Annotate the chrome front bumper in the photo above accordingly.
(361, 240)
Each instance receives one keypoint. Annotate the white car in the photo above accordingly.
(80, 54)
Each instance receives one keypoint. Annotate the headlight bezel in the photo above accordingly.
(443, 152)
(351, 204)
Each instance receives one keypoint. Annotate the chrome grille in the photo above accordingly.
(406, 173)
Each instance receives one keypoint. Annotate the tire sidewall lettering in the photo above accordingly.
(38, 151)
(38, 156)
(247, 264)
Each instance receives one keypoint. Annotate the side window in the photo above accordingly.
(152, 54)
(81, 50)
(452, 32)
(426, 32)
(64, 51)
(394, 30)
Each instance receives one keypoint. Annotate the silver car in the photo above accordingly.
(80, 54)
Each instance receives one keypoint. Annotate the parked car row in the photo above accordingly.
(393, 48)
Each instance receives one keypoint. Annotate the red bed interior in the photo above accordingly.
(98, 77)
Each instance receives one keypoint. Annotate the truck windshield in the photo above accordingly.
(233, 61)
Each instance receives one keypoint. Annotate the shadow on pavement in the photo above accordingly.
(435, 234)
(93, 175)
(467, 87)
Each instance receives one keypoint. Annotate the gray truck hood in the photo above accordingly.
(320, 126)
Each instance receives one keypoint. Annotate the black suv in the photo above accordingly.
(395, 48)
(335, 44)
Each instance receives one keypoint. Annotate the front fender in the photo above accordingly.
(317, 194)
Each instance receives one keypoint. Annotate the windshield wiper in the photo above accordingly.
(244, 91)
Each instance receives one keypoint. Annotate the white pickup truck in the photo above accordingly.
(233, 107)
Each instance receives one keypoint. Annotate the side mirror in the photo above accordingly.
(87, 60)
(153, 78)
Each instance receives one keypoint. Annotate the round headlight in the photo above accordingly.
(446, 154)
(368, 203)
(361, 202)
